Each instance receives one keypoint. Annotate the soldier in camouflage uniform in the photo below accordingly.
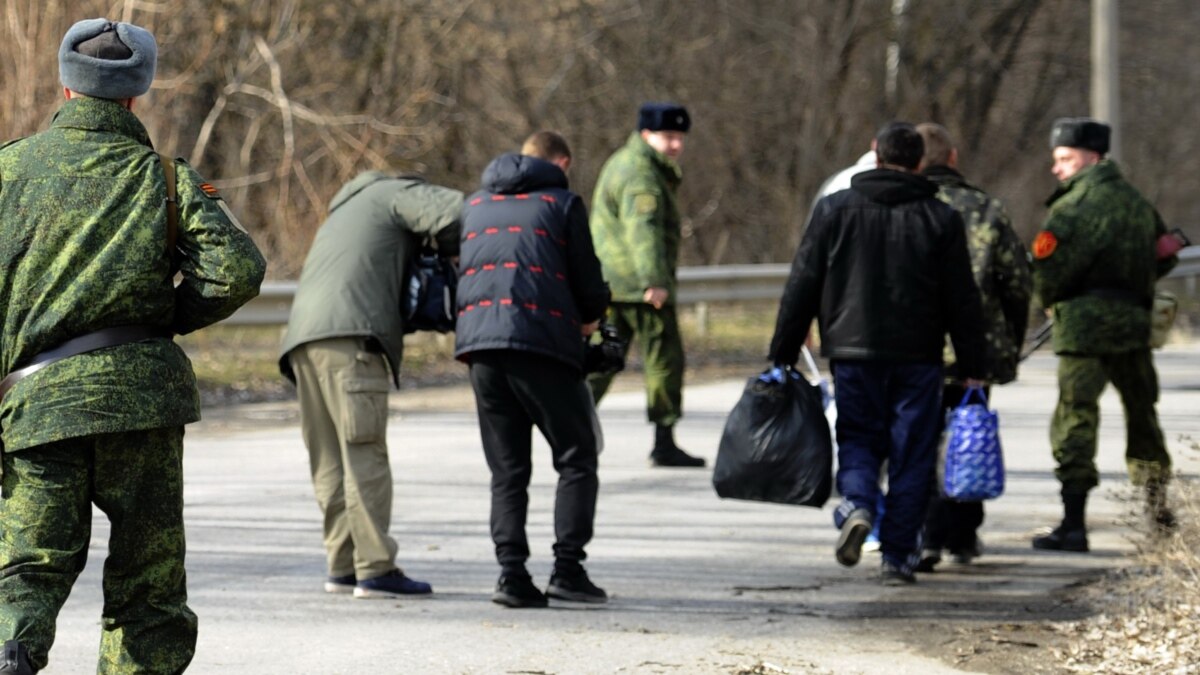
(1000, 266)
(1095, 265)
(636, 228)
(86, 264)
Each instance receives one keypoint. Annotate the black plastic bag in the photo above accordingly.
(429, 294)
(776, 445)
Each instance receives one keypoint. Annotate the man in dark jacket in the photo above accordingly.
(530, 288)
(885, 266)
(1000, 265)
(344, 334)
(1095, 264)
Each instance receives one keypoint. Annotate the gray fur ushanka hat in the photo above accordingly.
(115, 66)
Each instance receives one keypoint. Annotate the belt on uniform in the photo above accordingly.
(105, 337)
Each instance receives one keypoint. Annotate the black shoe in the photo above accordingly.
(964, 556)
(15, 659)
(929, 560)
(1062, 539)
(854, 532)
(576, 588)
(516, 591)
(673, 456)
(1164, 520)
(891, 575)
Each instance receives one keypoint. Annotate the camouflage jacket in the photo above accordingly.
(635, 221)
(1000, 265)
(83, 247)
(1094, 263)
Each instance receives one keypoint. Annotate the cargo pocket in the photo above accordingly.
(364, 415)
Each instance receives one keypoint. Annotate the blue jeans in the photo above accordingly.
(888, 410)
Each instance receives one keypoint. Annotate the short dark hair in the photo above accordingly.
(547, 145)
(899, 144)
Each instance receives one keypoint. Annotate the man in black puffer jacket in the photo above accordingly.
(530, 287)
(885, 266)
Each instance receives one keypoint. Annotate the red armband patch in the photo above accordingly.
(1044, 244)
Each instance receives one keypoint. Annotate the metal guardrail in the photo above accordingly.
(717, 283)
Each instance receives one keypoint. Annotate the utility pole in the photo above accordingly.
(895, 54)
(1106, 70)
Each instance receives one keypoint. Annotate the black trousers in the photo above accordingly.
(951, 524)
(514, 392)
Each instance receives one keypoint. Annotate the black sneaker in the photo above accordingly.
(15, 659)
(576, 588)
(929, 559)
(394, 584)
(673, 456)
(1062, 539)
(964, 556)
(891, 575)
(854, 532)
(516, 591)
(343, 584)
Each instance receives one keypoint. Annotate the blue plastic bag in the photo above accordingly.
(973, 466)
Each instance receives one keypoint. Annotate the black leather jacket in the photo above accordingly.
(885, 268)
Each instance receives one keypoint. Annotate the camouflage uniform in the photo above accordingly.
(1000, 267)
(1094, 263)
(83, 247)
(636, 228)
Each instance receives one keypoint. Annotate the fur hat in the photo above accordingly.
(1080, 132)
(663, 117)
(105, 59)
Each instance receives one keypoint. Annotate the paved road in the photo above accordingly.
(698, 585)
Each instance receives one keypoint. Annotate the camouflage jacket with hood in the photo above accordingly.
(1000, 265)
(83, 232)
(635, 221)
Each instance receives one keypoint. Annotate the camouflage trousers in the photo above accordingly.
(1073, 430)
(136, 479)
(656, 332)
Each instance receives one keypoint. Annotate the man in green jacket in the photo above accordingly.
(344, 334)
(636, 228)
(96, 392)
(1095, 265)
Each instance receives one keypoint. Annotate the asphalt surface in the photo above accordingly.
(697, 584)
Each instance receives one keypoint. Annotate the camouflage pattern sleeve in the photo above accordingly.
(641, 214)
(1013, 277)
(221, 266)
(1060, 258)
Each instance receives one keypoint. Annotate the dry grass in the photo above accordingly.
(1149, 611)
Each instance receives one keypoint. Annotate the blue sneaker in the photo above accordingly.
(343, 584)
(391, 585)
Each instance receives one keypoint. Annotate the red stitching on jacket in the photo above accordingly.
(560, 276)
(514, 228)
(535, 269)
(511, 265)
(469, 271)
(506, 301)
(491, 230)
(531, 306)
(548, 198)
(522, 196)
(497, 198)
(489, 267)
(470, 308)
(556, 314)
(477, 201)
(541, 233)
(472, 235)
(485, 303)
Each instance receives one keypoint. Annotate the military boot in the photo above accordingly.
(666, 453)
(1071, 534)
(1162, 518)
(15, 659)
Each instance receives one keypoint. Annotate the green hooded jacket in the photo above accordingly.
(83, 233)
(353, 277)
(635, 221)
(1094, 263)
